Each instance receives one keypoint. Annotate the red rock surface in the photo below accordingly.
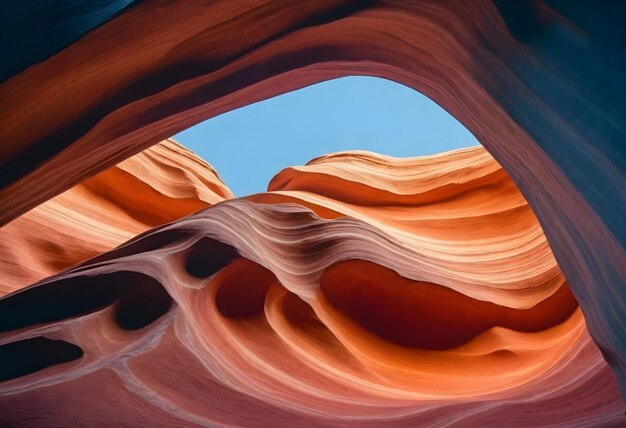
(540, 84)
(361, 290)
(162, 184)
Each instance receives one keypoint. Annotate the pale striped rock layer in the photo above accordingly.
(360, 290)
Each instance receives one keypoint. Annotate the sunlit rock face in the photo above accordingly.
(157, 186)
(539, 83)
(360, 290)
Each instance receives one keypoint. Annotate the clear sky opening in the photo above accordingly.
(250, 145)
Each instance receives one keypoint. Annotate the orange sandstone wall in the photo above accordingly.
(540, 84)
(162, 184)
(360, 290)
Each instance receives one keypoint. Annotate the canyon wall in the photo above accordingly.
(360, 290)
(538, 83)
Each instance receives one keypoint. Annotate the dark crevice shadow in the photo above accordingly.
(208, 256)
(143, 303)
(31, 355)
(142, 299)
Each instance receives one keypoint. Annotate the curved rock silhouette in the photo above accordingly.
(157, 186)
(540, 84)
(397, 293)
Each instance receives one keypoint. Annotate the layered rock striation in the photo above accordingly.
(539, 83)
(360, 290)
(162, 184)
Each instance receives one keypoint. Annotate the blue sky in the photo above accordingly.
(250, 145)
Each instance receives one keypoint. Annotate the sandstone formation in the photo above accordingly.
(162, 184)
(360, 290)
(539, 83)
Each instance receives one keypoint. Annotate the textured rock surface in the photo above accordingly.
(162, 184)
(540, 84)
(361, 290)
